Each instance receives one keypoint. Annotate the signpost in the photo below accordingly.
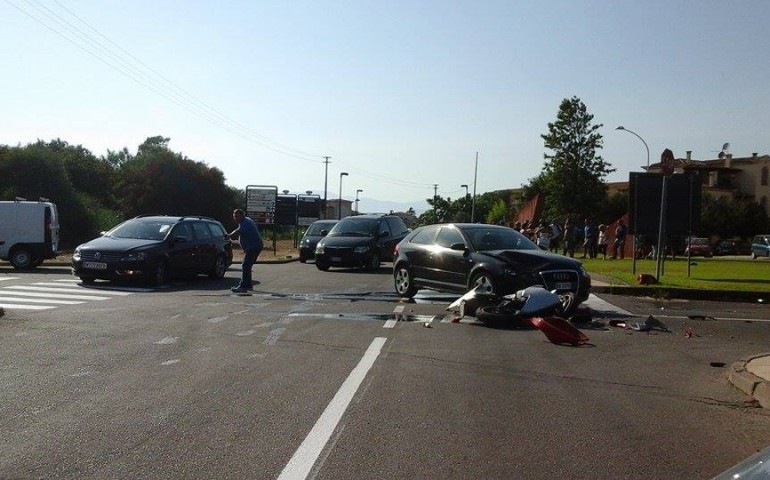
(308, 209)
(667, 165)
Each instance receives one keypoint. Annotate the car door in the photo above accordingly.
(384, 241)
(398, 231)
(182, 249)
(451, 265)
(205, 247)
(418, 250)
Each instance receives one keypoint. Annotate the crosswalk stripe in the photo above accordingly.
(66, 296)
(8, 278)
(110, 288)
(65, 290)
(39, 300)
(26, 307)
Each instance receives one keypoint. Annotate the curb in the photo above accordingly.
(750, 384)
(683, 293)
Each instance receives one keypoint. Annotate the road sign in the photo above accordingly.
(260, 203)
(667, 162)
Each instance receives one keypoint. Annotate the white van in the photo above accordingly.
(29, 232)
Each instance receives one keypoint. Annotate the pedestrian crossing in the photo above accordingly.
(58, 293)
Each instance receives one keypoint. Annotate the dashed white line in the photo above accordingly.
(308, 452)
(68, 290)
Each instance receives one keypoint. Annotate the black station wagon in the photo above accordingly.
(154, 248)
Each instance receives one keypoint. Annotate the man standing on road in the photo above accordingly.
(251, 243)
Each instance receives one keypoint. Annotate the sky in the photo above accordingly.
(401, 95)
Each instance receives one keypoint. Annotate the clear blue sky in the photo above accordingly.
(401, 94)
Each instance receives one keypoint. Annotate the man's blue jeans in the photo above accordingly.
(249, 259)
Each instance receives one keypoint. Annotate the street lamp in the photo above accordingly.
(466, 190)
(339, 210)
(357, 192)
(621, 127)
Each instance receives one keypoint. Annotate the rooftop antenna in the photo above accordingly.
(725, 150)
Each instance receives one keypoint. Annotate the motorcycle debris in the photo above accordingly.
(701, 317)
(655, 324)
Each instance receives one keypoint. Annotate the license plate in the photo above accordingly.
(95, 265)
(336, 259)
(563, 286)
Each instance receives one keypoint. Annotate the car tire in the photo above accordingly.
(160, 274)
(220, 268)
(753, 256)
(321, 265)
(302, 260)
(482, 278)
(88, 280)
(374, 263)
(21, 258)
(403, 281)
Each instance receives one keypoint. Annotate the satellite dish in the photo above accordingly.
(725, 147)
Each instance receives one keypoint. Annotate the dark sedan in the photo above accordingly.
(459, 257)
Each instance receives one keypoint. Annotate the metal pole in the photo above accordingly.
(339, 204)
(661, 226)
(640, 138)
(357, 192)
(475, 176)
(326, 178)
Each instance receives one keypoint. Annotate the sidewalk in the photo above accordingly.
(752, 377)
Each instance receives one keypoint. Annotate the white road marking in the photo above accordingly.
(390, 324)
(57, 288)
(17, 306)
(67, 296)
(596, 303)
(307, 454)
(167, 341)
(170, 362)
(8, 278)
(37, 300)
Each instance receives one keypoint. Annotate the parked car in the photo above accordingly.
(731, 247)
(360, 241)
(29, 232)
(155, 248)
(760, 246)
(315, 232)
(460, 257)
(698, 247)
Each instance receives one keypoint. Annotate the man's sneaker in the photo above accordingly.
(239, 290)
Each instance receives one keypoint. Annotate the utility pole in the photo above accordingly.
(435, 191)
(326, 181)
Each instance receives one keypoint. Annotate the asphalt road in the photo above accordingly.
(328, 375)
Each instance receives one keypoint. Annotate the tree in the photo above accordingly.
(732, 218)
(573, 175)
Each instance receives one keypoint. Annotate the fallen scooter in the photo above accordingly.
(533, 306)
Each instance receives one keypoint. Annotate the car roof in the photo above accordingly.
(175, 218)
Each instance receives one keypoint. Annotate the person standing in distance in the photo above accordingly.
(251, 243)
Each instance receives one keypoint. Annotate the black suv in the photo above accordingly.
(154, 248)
(360, 241)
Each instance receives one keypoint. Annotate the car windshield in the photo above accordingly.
(355, 227)
(498, 239)
(315, 229)
(141, 229)
(699, 241)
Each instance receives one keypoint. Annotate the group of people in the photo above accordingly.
(554, 236)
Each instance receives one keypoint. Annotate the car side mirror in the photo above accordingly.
(458, 246)
(324, 233)
(384, 234)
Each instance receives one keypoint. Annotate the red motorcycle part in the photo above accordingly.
(558, 331)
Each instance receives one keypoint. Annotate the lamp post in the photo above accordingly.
(357, 192)
(466, 190)
(339, 209)
(621, 127)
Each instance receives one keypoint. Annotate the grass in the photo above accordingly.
(717, 273)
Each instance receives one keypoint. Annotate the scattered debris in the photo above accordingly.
(558, 331)
(717, 364)
(646, 279)
(701, 317)
(618, 324)
(655, 324)
(687, 332)
(427, 325)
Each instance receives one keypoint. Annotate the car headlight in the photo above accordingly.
(319, 249)
(133, 257)
(363, 249)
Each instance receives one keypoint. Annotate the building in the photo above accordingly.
(333, 208)
(741, 178)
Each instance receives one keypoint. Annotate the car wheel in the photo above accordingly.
(482, 279)
(302, 259)
(321, 265)
(753, 256)
(21, 258)
(404, 282)
(88, 280)
(220, 267)
(374, 263)
(160, 274)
